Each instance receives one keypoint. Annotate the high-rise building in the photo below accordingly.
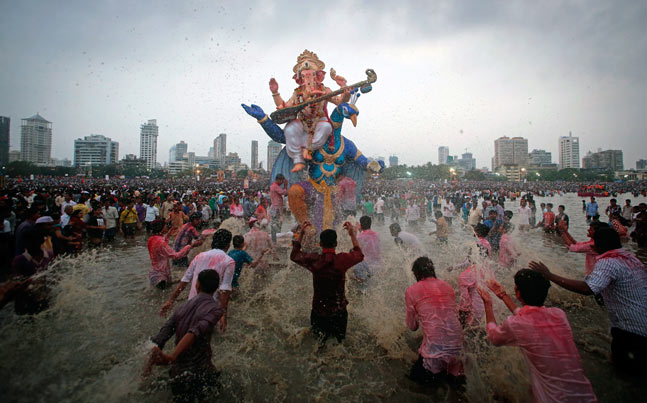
(254, 155)
(148, 143)
(609, 159)
(569, 151)
(14, 155)
(220, 147)
(467, 162)
(510, 151)
(443, 155)
(393, 160)
(36, 140)
(539, 157)
(177, 151)
(210, 154)
(4, 140)
(641, 164)
(95, 149)
(273, 150)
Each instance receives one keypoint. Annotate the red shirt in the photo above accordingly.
(328, 276)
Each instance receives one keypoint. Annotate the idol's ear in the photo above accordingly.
(298, 79)
(321, 75)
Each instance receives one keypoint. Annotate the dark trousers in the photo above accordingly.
(628, 351)
(422, 375)
(194, 387)
(334, 325)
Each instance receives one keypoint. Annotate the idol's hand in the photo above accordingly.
(254, 111)
(274, 86)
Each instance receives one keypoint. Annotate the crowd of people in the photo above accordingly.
(51, 217)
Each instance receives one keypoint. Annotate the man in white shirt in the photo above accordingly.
(110, 215)
(524, 212)
(214, 259)
(407, 240)
(413, 213)
(65, 218)
(152, 212)
(379, 210)
(68, 202)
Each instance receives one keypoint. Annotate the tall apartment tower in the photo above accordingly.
(393, 160)
(95, 149)
(569, 151)
(220, 147)
(273, 150)
(4, 140)
(254, 164)
(36, 140)
(510, 151)
(148, 143)
(177, 151)
(443, 155)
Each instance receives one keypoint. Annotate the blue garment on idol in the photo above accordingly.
(240, 257)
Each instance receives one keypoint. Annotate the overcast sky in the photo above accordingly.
(451, 73)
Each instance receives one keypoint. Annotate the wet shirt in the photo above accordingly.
(328, 277)
(622, 280)
(369, 242)
(240, 257)
(276, 195)
(591, 254)
(546, 341)
(474, 216)
(160, 253)
(470, 301)
(442, 228)
(410, 241)
(257, 241)
(25, 265)
(507, 251)
(214, 259)
(347, 193)
(431, 304)
(186, 235)
(524, 214)
(236, 210)
(197, 316)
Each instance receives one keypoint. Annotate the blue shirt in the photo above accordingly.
(240, 257)
(592, 209)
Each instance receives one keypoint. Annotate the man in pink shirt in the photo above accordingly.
(214, 259)
(582, 247)
(257, 241)
(470, 306)
(160, 252)
(544, 337)
(369, 242)
(278, 189)
(508, 253)
(431, 303)
(482, 231)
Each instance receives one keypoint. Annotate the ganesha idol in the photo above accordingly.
(335, 167)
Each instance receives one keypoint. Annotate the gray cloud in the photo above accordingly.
(483, 68)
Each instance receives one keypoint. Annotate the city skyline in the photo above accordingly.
(460, 74)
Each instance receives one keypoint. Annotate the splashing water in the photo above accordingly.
(92, 342)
